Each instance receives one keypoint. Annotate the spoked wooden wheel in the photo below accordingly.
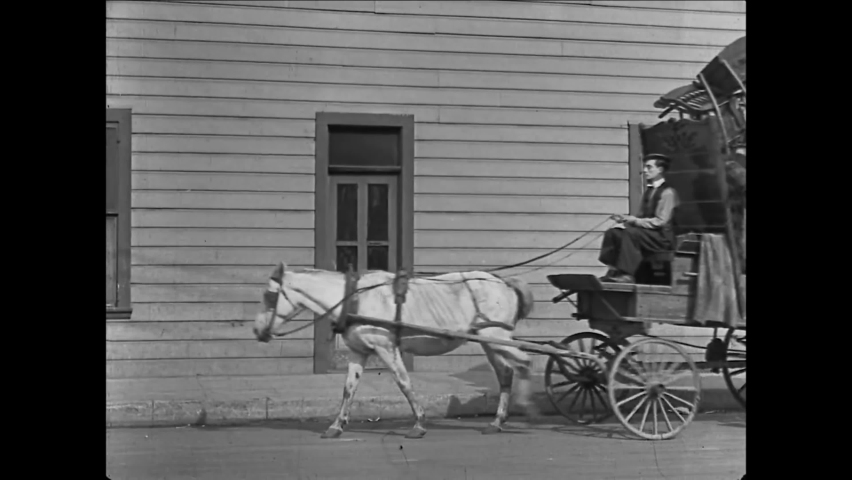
(735, 368)
(577, 387)
(654, 388)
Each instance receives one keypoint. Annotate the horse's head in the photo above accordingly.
(282, 302)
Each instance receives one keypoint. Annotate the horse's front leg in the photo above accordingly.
(356, 369)
(392, 357)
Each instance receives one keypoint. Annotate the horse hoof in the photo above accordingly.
(332, 433)
(416, 432)
(492, 429)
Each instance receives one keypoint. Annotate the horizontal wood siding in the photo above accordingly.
(521, 113)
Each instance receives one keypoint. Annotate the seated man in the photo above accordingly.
(626, 243)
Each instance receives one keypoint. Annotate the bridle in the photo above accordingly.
(267, 332)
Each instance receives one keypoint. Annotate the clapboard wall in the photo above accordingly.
(521, 112)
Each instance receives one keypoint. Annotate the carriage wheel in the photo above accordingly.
(588, 404)
(735, 368)
(654, 388)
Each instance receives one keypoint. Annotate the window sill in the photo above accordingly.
(118, 313)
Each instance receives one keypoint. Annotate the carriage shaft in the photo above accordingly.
(528, 346)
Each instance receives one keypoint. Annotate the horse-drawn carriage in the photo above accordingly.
(700, 283)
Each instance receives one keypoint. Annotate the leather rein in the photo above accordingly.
(280, 292)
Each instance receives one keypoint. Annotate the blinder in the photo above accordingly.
(272, 305)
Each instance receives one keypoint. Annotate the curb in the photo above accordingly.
(159, 413)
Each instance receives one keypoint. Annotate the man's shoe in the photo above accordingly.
(623, 278)
(610, 274)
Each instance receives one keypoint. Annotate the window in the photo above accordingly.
(118, 213)
(365, 206)
(363, 222)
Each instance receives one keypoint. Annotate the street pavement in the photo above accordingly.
(712, 447)
(229, 400)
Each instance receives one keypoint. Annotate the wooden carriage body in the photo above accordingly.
(623, 310)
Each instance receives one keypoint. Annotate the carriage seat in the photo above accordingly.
(655, 269)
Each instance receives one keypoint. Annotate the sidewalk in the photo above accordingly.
(234, 400)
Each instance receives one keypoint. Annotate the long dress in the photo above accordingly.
(736, 177)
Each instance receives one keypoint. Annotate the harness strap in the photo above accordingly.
(400, 290)
(486, 322)
(350, 302)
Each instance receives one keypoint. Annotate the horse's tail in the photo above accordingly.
(526, 301)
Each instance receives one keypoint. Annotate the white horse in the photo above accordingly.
(460, 302)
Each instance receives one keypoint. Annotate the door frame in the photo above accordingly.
(121, 120)
(323, 255)
(636, 173)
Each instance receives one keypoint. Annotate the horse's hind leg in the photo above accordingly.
(356, 369)
(393, 359)
(522, 363)
(504, 378)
